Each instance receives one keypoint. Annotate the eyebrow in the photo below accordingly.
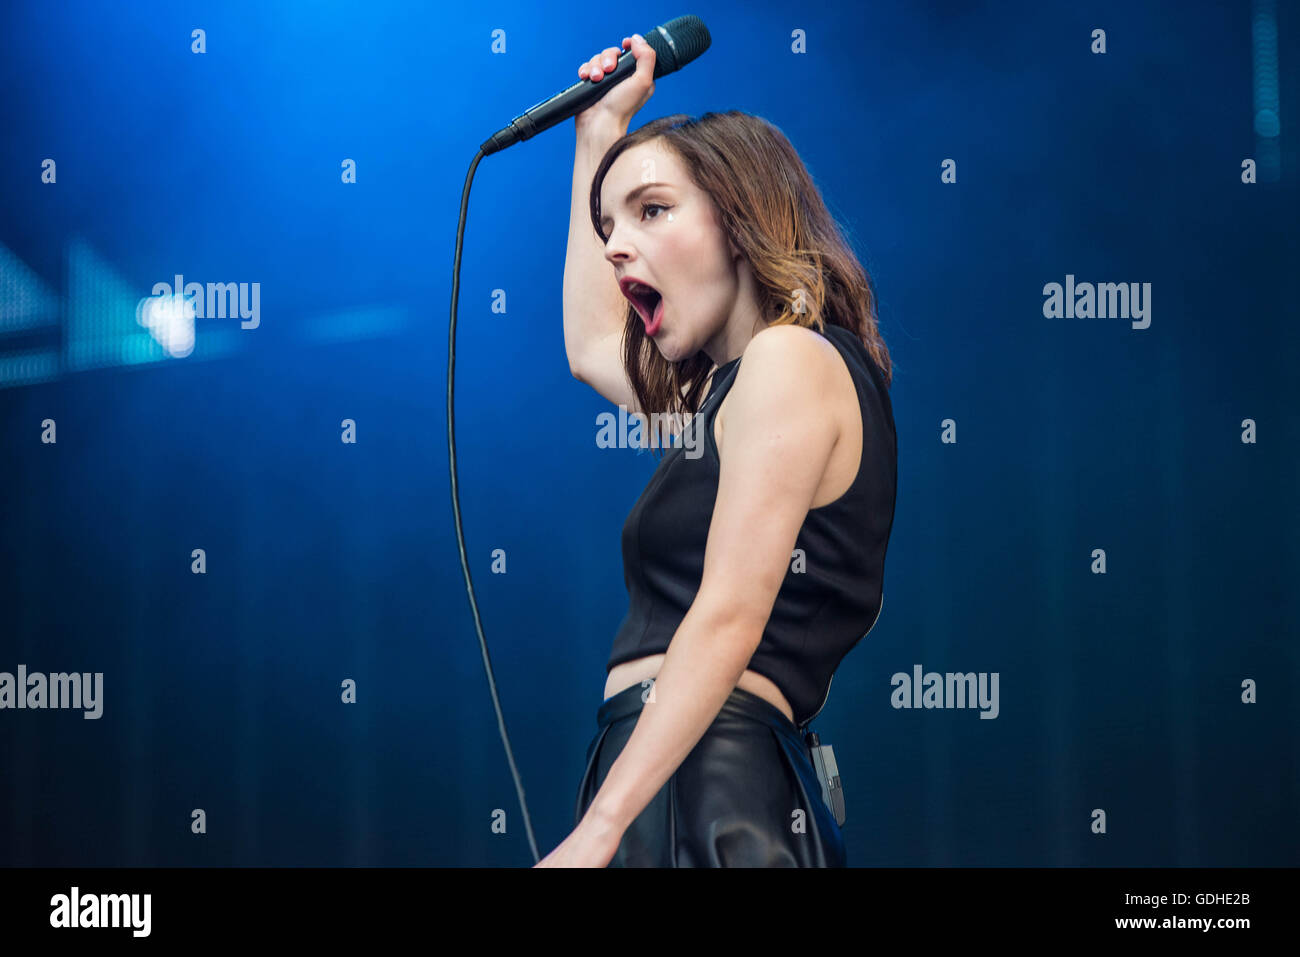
(627, 200)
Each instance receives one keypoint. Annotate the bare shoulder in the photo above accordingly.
(787, 361)
(788, 369)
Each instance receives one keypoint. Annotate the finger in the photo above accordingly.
(645, 57)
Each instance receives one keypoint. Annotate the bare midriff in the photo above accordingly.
(637, 670)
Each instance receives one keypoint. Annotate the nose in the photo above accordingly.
(617, 248)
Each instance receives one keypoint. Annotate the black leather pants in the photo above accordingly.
(746, 796)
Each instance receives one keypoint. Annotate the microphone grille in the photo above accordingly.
(677, 43)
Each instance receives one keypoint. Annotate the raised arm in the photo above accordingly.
(594, 307)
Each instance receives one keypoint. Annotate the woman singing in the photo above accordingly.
(754, 559)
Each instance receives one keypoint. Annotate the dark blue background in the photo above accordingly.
(329, 561)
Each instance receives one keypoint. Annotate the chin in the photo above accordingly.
(671, 353)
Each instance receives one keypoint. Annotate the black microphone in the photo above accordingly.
(676, 44)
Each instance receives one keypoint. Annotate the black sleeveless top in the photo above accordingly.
(832, 593)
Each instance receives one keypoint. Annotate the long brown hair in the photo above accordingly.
(768, 205)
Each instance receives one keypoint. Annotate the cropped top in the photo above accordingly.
(834, 589)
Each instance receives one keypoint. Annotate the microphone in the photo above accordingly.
(676, 44)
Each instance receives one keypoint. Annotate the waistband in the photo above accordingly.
(739, 704)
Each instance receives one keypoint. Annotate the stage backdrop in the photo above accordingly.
(239, 524)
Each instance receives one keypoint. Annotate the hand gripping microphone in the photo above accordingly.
(676, 44)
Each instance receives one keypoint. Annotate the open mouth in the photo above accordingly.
(646, 299)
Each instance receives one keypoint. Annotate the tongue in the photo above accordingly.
(656, 316)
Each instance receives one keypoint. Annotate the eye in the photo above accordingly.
(646, 207)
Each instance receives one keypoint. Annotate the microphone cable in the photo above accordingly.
(455, 503)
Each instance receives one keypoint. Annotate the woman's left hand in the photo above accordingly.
(588, 845)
